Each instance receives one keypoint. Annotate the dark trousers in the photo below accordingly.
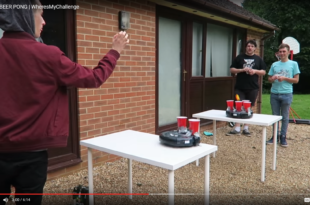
(27, 172)
(250, 95)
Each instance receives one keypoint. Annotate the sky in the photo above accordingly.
(238, 2)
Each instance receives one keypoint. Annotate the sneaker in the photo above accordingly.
(233, 132)
(271, 140)
(246, 132)
(283, 141)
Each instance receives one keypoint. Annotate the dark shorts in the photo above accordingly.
(250, 95)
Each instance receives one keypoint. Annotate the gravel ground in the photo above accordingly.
(234, 175)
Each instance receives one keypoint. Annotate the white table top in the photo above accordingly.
(257, 119)
(147, 148)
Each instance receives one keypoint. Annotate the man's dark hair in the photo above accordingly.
(251, 42)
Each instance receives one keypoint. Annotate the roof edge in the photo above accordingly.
(239, 15)
(229, 12)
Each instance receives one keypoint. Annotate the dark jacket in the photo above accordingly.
(33, 91)
(34, 111)
(34, 106)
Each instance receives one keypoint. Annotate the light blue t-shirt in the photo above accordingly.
(287, 69)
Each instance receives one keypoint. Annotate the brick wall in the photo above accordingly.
(127, 99)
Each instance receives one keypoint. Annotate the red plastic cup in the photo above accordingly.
(246, 105)
(238, 106)
(182, 122)
(194, 125)
(230, 104)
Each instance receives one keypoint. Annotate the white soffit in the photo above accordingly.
(206, 15)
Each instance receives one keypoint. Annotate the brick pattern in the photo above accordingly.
(127, 99)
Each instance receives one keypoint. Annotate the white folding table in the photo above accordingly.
(257, 119)
(146, 148)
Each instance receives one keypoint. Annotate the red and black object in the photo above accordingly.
(239, 114)
(175, 138)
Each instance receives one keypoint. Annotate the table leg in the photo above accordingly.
(263, 154)
(171, 187)
(214, 134)
(90, 176)
(207, 179)
(130, 178)
(197, 161)
(275, 140)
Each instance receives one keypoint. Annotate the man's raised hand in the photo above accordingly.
(119, 41)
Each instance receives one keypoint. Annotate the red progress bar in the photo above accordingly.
(57, 194)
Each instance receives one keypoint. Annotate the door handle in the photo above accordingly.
(184, 73)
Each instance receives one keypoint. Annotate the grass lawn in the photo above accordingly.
(301, 105)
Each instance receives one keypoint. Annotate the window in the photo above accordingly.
(240, 42)
(219, 50)
(1, 33)
(169, 71)
(197, 49)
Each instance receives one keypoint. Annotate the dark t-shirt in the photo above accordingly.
(245, 81)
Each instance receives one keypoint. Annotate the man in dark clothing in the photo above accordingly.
(247, 67)
(34, 112)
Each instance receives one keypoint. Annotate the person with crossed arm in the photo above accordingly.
(248, 67)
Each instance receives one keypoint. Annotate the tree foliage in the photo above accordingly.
(293, 19)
